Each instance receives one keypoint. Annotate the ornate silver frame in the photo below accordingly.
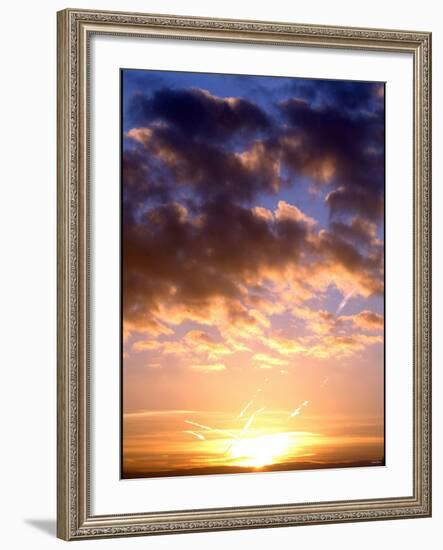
(74, 519)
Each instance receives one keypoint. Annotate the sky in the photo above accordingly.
(252, 273)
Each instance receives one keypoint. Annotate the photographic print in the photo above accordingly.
(252, 273)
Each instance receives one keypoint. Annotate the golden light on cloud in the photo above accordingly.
(214, 367)
(269, 359)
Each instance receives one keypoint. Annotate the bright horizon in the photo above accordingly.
(253, 273)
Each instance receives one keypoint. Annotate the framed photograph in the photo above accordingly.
(243, 274)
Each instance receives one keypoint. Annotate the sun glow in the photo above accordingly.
(259, 451)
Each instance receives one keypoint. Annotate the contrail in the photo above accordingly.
(245, 408)
(198, 425)
(250, 420)
(198, 436)
(254, 397)
(344, 301)
(208, 428)
(245, 428)
(297, 411)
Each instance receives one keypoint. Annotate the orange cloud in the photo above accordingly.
(200, 342)
(283, 345)
(259, 159)
(145, 324)
(263, 213)
(286, 211)
(342, 345)
(368, 320)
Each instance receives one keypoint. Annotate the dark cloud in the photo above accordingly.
(194, 165)
(209, 169)
(145, 182)
(366, 267)
(173, 257)
(350, 96)
(204, 257)
(359, 231)
(326, 143)
(329, 144)
(347, 200)
(198, 114)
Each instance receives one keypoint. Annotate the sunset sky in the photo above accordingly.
(252, 272)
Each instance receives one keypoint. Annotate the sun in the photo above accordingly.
(259, 451)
